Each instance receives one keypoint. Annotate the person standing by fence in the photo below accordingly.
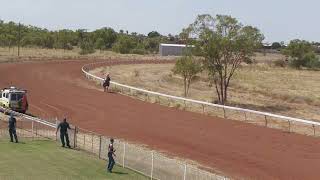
(111, 153)
(64, 126)
(12, 128)
(106, 83)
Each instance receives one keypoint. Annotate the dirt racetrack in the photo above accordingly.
(237, 149)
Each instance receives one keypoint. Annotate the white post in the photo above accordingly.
(56, 127)
(124, 154)
(152, 157)
(185, 172)
(32, 129)
(92, 143)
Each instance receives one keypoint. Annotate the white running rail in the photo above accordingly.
(285, 118)
(53, 125)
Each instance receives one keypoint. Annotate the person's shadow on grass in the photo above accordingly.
(119, 173)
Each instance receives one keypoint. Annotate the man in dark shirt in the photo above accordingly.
(12, 128)
(64, 126)
(111, 153)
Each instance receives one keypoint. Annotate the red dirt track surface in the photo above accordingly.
(236, 149)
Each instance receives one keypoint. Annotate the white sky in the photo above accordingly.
(279, 20)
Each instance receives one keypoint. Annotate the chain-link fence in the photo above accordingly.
(27, 129)
(128, 155)
(141, 159)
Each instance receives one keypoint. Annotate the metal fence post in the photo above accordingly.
(224, 113)
(92, 143)
(75, 137)
(314, 130)
(56, 127)
(185, 172)
(203, 112)
(124, 154)
(289, 122)
(245, 116)
(152, 162)
(100, 147)
(32, 129)
(265, 118)
(84, 141)
(36, 130)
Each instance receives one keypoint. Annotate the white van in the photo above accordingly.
(14, 99)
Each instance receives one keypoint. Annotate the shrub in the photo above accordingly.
(313, 63)
(248, 60)
(136, 73)
(124, 44)
(86, 48)
(138, 51)
(280, 63)
(276, 45)
(301, 54)
(68, 46)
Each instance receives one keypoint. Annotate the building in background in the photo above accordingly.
(171, 49)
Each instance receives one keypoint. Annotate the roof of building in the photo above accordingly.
(173, 45)
(14, 89)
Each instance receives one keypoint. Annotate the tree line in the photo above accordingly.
(14, 34)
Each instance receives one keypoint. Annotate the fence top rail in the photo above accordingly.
(29, 117)
(201, 102)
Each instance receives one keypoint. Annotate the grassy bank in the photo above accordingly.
(46, 160)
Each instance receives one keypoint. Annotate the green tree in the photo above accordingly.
(153, 34)
(108, 35)
(124, 44)
(276, 45)
(225, 44)
(188, 68)
(87, 47)
(301, 53)
(151, 44)
(100, 44)
(65, 39)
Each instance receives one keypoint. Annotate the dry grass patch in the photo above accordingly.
(11, 55)
(259, 87)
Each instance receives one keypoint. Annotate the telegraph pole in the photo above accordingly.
(19, 38)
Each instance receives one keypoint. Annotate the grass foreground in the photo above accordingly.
(44, 159)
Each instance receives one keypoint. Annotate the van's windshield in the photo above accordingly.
(16, 96)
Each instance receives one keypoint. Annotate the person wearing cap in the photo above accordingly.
(106, 83)
(111, 153)
(64, 126)
(12, 128)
